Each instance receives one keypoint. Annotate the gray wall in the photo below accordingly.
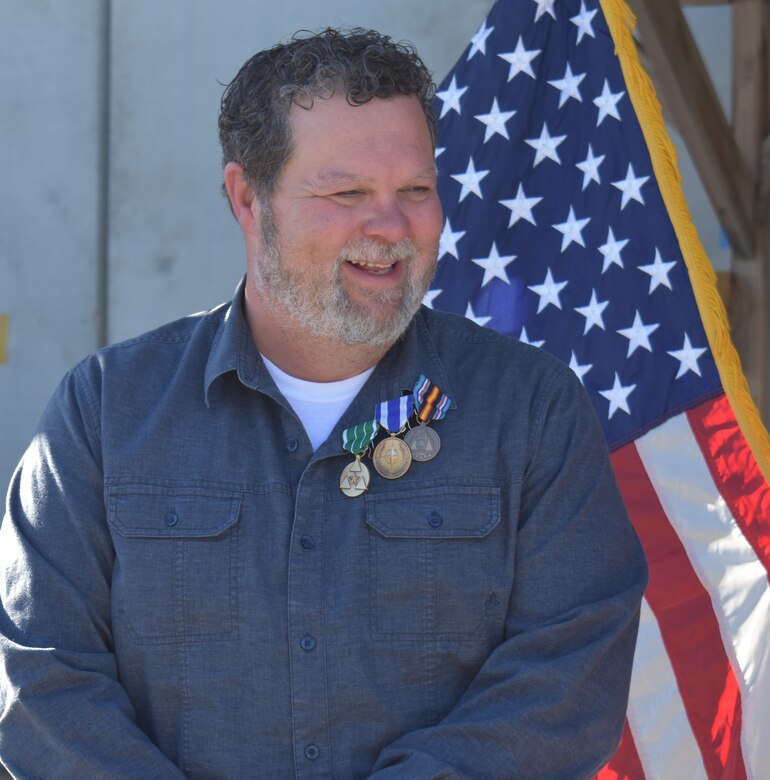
(111, 219)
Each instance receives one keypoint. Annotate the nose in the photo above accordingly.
(387, 222)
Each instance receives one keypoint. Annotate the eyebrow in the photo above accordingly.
(338, 175)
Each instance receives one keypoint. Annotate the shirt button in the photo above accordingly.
(307, 541)
(172, 519)
(435, 519)
(312, 752)
(292, 445)
(307, 643)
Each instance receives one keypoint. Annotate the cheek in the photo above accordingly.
(429, 223)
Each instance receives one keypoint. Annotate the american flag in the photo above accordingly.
(560, 230)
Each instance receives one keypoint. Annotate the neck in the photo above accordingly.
(302, 354)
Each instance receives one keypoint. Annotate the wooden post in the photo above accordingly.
(750, 296)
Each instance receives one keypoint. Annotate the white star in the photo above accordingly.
(617, 395)
(495, 121)
(479, 40)
(607, 103)
(545, 7)
(611, 251)
(447, 244)
(548, 292)
(658, 272)
(439, 151)
(579, 370)
(572, 230)
(583, 22)
(451, 97)
(545, 146)
(471, 180)
(479, 320)
(638, 335)
(568, 86)
(524, 339)
(631, 187)
(687, 357)
(593, 313)
(519, 59)
(590, 167)
(494, 265)
(430, 296)
(521, 207)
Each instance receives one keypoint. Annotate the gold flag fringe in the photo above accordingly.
(622, 22)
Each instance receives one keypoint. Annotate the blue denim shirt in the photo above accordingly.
(187, 592)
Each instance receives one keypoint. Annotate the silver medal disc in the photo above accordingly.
(423, 442)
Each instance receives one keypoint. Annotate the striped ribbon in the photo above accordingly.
(392, 415)
(358, 437)
(431, 403)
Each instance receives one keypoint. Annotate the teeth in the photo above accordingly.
(371, 267)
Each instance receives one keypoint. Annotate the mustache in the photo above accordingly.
(370, 251)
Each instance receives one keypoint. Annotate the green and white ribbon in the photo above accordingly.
(358, 437)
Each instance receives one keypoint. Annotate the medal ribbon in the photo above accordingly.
(430, 401)
(358, 437)
(392, 415)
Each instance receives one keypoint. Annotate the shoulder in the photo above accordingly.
(464, 344)
(157, 350)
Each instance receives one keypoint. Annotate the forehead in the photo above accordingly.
(332, 135)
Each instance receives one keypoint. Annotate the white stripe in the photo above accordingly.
(656, 715)
(727, 567)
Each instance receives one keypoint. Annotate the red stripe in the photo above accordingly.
(427, 408)
(735, 471)
(689, 628)
(625, 764)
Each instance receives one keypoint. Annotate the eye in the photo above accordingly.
(418, 192)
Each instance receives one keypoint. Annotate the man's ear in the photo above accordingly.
(243, 199)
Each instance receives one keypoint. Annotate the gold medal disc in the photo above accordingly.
(354, 479)
(423, 442)
(392, 458)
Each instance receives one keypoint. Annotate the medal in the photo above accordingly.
(424, 442)
(354, 480)
(355, 477)
(392, 457)
(431, 404)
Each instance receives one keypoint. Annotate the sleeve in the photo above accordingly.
(63, 712)
(550, 700)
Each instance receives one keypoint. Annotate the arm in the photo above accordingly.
(550, 700)
(63, 712)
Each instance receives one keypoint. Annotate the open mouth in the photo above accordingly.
(377, 269)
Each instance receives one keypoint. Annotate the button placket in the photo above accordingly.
(307, 648)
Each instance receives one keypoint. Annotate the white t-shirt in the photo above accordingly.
(319, 405)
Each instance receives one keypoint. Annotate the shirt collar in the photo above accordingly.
(233, 349)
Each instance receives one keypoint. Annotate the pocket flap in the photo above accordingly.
(452, 512)
(172, 513)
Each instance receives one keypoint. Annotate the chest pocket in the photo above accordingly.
(437, 570)
(174, 577)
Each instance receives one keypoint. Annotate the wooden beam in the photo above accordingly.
(690, 100)
(749, 316)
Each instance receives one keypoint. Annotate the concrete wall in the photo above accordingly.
(51, 74)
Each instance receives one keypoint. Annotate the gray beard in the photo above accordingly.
(330, 313)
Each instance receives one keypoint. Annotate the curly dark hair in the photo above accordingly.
(254, 128)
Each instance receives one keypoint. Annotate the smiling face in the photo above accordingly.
(350, 236)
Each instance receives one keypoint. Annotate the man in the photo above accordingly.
(225, 558)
